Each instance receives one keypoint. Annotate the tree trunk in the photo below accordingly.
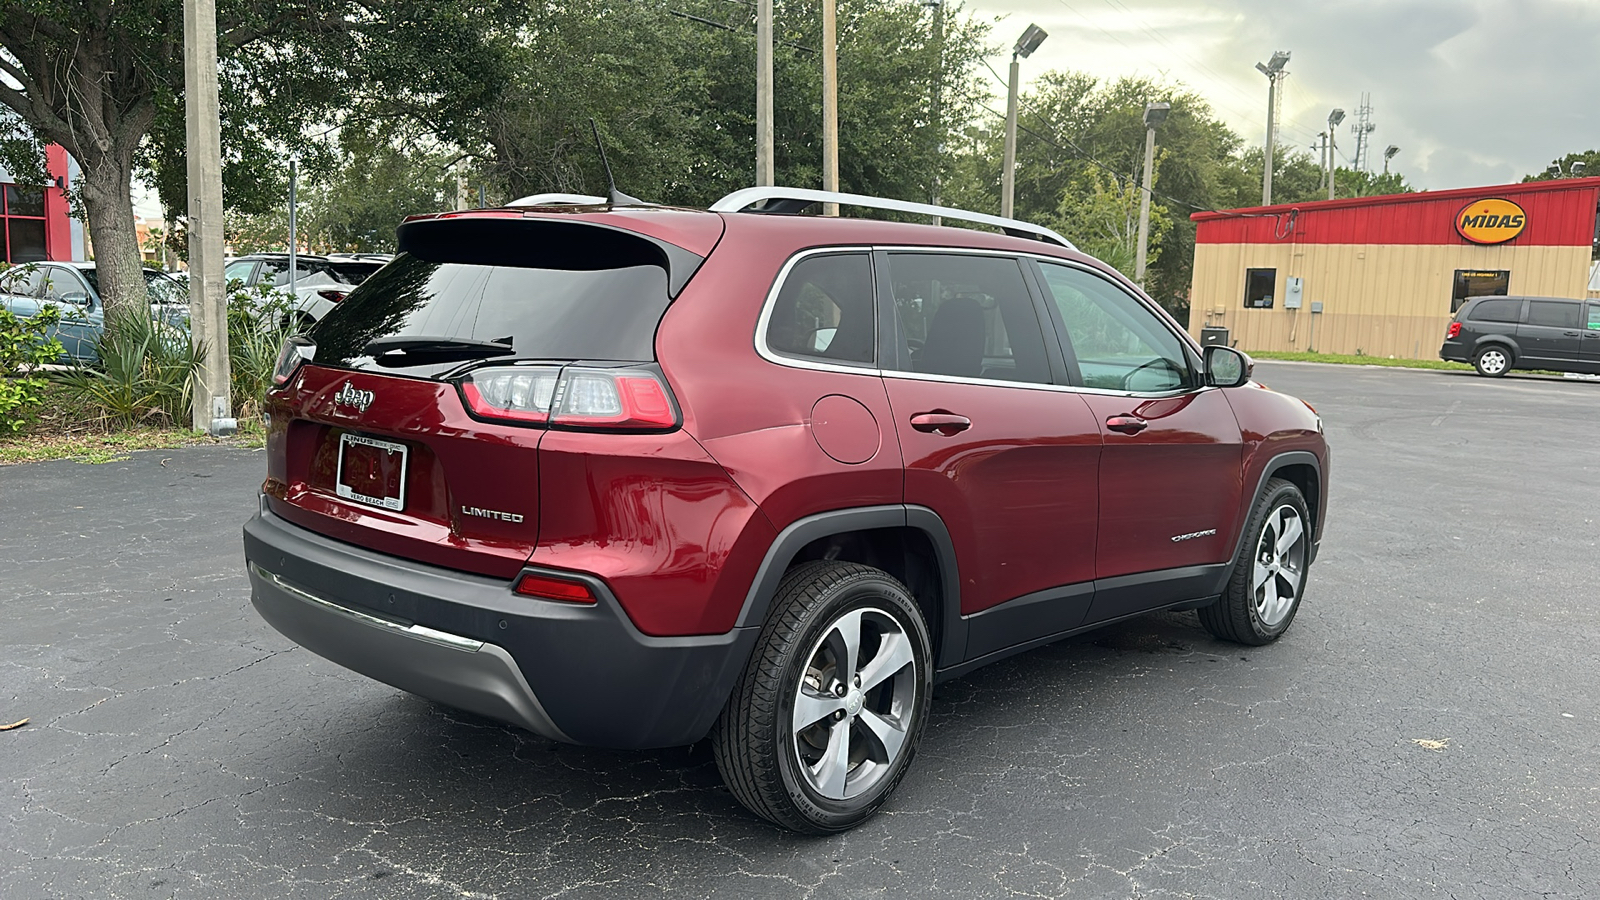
(108, 201)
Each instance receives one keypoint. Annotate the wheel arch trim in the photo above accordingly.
(1275, 465)
(951, 628)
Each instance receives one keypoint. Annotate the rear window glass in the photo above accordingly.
(1497, 311)
(597, 314)
(1554, 313)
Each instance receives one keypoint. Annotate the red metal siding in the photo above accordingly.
(1560, 213)
(57, 223)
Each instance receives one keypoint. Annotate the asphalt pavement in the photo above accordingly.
(1429, 727)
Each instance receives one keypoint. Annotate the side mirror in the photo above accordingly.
(1227, 367)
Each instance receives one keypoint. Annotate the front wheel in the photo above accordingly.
(1493, 361)
(825, 719)
(1269, 577)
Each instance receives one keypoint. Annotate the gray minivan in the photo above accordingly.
(1498, 334)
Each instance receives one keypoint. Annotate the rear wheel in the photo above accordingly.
(825, 719)
(1269, 577)
(1493, 361)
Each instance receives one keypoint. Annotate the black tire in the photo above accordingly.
(1244, 613)
(1494, 360)
(756, 747)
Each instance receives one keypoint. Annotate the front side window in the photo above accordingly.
(239, 271)
(1259, 285)
(1497, 311)
(1116, 343)
(967, 316)
(1553, 313)
(1594, 317)
(824, 311)
(60, 282)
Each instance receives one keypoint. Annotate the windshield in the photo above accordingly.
(604, 314)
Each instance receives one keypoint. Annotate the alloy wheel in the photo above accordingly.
(855, 703)
(1279, 565)
(1493, 362)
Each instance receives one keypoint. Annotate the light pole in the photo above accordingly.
(1029, 42)
(935, 103)
(830, 103)
(294, 173)
(1334, 118)
(1273, 69)
(1154, 114)
(1388, 154)
(211, 406)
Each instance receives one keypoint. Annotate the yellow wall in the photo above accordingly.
(1378, 299)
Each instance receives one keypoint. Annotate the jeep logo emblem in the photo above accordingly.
(349, 396)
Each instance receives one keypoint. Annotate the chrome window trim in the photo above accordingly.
(415, 632)
(766, 353)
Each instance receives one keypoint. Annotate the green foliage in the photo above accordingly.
(145, 374)
(1589, 158)
(24, 346)
(257, 326)
(1103, 215)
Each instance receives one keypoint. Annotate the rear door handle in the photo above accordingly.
(941, 422)
(1126, 424)
(1571, 333)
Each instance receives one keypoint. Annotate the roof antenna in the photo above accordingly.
(616, 197)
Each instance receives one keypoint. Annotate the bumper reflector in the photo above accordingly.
(547, 588)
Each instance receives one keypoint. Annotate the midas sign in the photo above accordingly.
(1493, 221)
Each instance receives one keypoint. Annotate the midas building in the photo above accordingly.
(1382, 276)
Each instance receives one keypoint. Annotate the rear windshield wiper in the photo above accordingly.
(411, 350)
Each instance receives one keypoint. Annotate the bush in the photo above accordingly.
(258, 322)
(24, 347)
(145, 375)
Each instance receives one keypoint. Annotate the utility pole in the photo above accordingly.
(1154, 114)
(936, 102)
(1334, 118)
(765, 173)
(830, 103)
(1031, 38)
(294, 242)
(211, 408)
(1273, 69)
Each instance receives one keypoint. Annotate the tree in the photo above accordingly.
(1589, 158)
(1103, 214)
(95, 75)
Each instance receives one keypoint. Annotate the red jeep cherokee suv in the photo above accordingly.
(630, 476)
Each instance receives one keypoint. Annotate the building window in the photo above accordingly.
(1475, 283)
(23, 218)
(1258, 287)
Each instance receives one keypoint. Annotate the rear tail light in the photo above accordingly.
(1455, 330)
(331, 296)
(623, 399)
(546, 587)
(295, 352)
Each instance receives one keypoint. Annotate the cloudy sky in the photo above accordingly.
(1474, 92)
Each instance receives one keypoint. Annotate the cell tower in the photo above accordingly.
(1362, 128)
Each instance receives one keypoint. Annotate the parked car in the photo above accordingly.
(320, 281)
(73, 289)
(1498, 334)
(631, 477)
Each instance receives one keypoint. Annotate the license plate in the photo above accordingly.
(371, 471)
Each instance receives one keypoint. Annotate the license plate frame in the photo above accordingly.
(349, 492)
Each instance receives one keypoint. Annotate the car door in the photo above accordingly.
(1171, 470)
(82, 320)
(1551, 333)
(993, 440)
(1589, 352)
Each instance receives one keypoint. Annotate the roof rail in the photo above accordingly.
(793, 200)
(559, 200)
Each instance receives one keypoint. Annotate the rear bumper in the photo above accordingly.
(579, 674)
(1454, 351)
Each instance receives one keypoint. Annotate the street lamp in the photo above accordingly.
(1334, 118)
(1154, 114)
(1388, 154)
(1029, 42)
(1273, 69)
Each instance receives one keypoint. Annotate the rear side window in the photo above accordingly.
(1554, 313)
(1497, 311)
(824, 311)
